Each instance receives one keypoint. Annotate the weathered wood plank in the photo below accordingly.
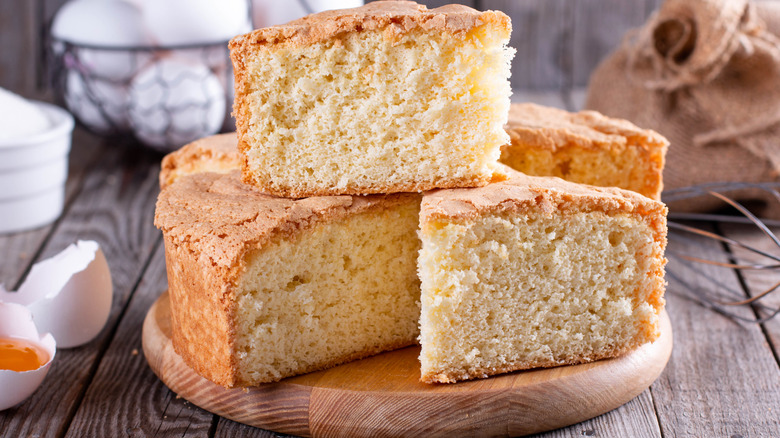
(577, 98)
(722, 379)
(599, 27)
(46, 12)
(571, 100)
(227, 428)
(115, 208)
(552, 98)
(20, 42)
(630, 420)
(542, 37)
(22, 31)
(757, 280)
(141, 405)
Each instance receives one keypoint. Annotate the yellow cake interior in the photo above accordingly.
(585, 147)
(626, 167)
(338, 291)
(366, 112)
(513, 291)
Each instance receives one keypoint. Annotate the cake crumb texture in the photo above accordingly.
(390, 97)
(548, 278)
(338, 292)
(263, 288)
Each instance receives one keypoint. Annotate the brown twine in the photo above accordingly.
(706, 74)
(684, 63)
(735, 24)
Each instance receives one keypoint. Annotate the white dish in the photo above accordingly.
(33, 171)
(30, 212)
(33, 180)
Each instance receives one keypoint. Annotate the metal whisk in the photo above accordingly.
(742, 256)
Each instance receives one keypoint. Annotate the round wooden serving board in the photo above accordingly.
(382, 396)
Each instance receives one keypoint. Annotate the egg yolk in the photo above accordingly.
(21, 355)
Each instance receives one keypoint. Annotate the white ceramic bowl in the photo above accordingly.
(33, 171)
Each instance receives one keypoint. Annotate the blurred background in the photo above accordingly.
(558, 42)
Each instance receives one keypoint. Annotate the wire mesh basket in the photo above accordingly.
(163, 96)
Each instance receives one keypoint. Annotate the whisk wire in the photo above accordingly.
(749, 215)
(709, 293)
(723, 239)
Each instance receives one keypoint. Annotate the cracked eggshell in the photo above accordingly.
(69, 294)
(16, 321)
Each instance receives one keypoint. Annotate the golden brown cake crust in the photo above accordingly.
(529, 193)
(393, 17)
(410, 187)
(200, 314)
(214, 153)
(456, 375)
(553, 128)
(226, 218)
(211, 223)
(585, 147)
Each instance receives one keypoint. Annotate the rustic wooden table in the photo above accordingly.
(722, 380)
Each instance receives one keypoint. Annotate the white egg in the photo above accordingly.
(69, 294)
(108, 28)
(173, 102)
(178, 22)
(99, 104)
(272, 12)
(16, 322)
(104, 23)
(216, 57)
(111, 64)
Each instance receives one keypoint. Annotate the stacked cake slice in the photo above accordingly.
(322, 249)
(390, 97)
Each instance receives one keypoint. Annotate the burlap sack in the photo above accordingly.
(705, 74)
